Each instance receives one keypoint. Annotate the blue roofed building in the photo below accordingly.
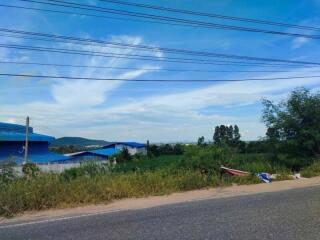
(108, 150)
(133, 147)
(12, 145)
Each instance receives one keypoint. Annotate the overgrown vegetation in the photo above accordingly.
(30, 169)
(292, 143)
(311, 170)
(294, 127)
(96, 183)
(6, 172)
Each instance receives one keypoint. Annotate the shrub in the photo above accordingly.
(30, 169)
(6, 172)
(165, 149)
(312, 170)
(123, 156)
(206, 160)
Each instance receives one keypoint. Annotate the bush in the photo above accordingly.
(6, 172)
(207, 160)
(144, 163)
(293, 163)
(165, 149)
(30, 169)
(312, 170)
(123, 156)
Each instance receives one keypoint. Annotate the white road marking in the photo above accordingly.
(58, 219)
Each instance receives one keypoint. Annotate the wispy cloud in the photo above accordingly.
(81, 93)
(162, 117)
(299, 42)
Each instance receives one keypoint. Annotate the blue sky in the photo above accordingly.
(159, 112)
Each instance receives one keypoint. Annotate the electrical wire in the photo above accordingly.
(153, 48)
(135, 56)
(153, 80)
(168, 19)
(213, 15)
(141, 69)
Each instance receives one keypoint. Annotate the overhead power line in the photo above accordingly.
(91, 15)
(141, 57)
(126, 46)
(135, 56)
(153, 48)
(212, 15)
(67, 4)
(153, 80)
(143, 69)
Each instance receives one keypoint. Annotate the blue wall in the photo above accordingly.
(16, 148)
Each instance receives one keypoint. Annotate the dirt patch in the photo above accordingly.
(140, 203)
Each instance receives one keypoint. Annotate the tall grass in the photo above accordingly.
(96, 183)
(52, 191)
(312, 170)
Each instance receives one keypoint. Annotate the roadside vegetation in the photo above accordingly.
(292, 144)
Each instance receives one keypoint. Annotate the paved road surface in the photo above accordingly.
(292, 214)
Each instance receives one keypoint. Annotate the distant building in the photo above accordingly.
(12, 145)
(108, 150)
(133, 147)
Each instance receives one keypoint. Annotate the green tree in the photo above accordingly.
(223, 135)
(229, 136)
(201, 141)
(294, 124)
(236, 133)
(124, 155)
(216, 135)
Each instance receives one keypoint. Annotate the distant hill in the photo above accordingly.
(76, 141)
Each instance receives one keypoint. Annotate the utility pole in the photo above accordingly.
(26, 147)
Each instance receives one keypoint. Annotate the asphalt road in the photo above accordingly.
(293, 214)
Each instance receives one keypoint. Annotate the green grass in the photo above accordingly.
(150, 164)
(53, 191)
(312, 170)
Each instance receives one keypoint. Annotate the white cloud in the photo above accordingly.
(164, 117)
(81, 108)
(299, 42)
(83, 93)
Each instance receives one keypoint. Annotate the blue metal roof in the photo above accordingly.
(109, 145)
(129, 144)
(10, 127)
(16, 136)
(15, 132)
(133, 144)
(98, 152)
(105, 152)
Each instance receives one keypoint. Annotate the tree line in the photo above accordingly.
(293, 130)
